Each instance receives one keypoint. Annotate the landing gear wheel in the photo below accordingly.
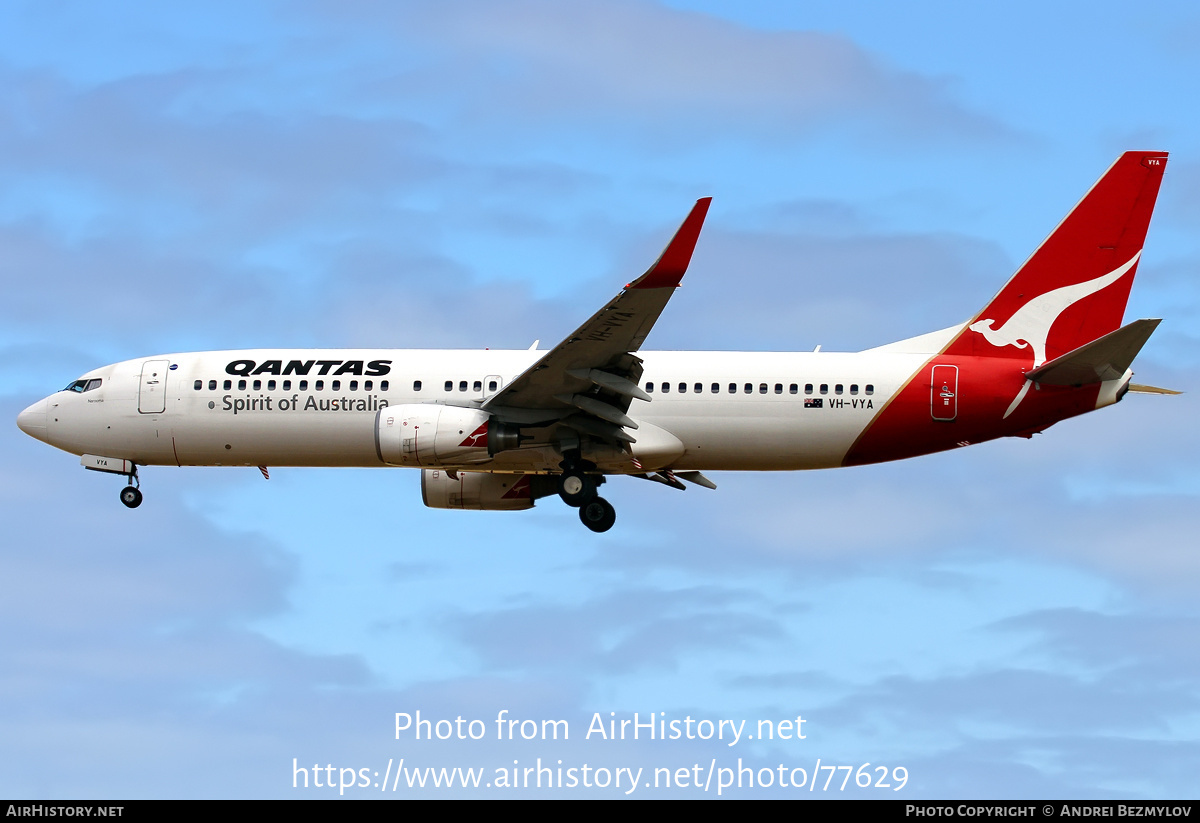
(131, 497)
(598, 514)
(576, 488)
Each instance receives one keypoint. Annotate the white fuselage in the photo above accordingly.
(736, 410)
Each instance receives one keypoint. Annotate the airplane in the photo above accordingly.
(499, 430)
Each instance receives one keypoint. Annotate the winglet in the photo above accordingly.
(669, 269)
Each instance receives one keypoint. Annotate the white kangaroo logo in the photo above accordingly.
(1030, 325)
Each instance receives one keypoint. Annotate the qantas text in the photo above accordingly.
(374, 368)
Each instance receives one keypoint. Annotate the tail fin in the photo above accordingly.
(1074, 288)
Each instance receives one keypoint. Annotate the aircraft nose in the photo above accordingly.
(32, 421)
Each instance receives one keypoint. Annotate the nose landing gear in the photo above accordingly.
(131, 495)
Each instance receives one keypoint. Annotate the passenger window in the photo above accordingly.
(241, 385)
(383, 384)
(824, 388)
(257, 385)
(854, 388)
(683, 388)
(462, 385)
(779, 388)
(749, 388)
(649, 386)
(870, 389)
(303, 385)
(837, 389)
(287, 385)
(227, 385)
(212, 385)
(762, 388)
(733, 388)
(319, 385)
(367, 384)
(416, 385)
(492, 386)
(478, 386)
(698, 388)
(270, 385)
(337, 385)
(353, 385)
(198, 385)
(449, 385)
(793, 389)
(808, 388)
(666, 387)
(716, 388)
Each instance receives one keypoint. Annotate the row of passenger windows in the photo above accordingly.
(763, 388)
(318, 385)
(477, 386)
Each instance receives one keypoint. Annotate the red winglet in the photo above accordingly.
(669, 269)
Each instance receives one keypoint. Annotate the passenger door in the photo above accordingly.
(152, 393)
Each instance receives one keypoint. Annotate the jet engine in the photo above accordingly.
(475, 490)
(429, 434)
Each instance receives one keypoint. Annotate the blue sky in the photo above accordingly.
(1013, 620)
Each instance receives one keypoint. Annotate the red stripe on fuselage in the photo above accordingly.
(905, 426)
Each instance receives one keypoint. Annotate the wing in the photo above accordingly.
(593, 374)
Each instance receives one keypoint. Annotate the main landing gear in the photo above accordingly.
(598, 514)
(577, 489)
(131, 495)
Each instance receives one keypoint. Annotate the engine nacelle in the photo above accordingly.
(475, 490)
(428, 434)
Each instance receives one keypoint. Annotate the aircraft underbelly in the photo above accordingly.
(262, 440)
(761, 441)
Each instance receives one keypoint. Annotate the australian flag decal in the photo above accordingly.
(813, 402)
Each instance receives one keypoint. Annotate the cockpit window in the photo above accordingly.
(84, 385)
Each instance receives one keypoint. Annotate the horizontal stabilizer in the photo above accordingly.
(1106, 358)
